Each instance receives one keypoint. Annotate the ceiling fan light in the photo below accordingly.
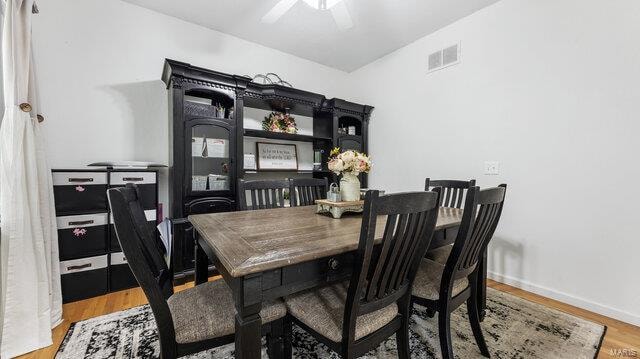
(322, 4)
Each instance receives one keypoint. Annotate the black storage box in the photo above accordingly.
(145, 181)
(120, 275)
(77, 192)
(115, 245)
(82, 235)
(83, 278)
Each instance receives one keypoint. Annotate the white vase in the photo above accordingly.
(349, 187)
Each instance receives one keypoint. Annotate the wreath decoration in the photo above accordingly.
(280, 122)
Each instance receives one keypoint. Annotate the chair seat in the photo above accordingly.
(427, 282)
(207, 311)
(323, 311)
(440, 255)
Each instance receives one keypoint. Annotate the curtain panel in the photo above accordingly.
(30, 297)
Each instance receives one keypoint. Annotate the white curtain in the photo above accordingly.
(30, 299)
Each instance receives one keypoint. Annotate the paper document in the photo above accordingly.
(165, 235)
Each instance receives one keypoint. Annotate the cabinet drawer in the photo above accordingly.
(80, 191)
(145, 181)
(83, 278)
(339, 267)
(120, 275)
(114, 245)
(82, 235)
(122, 178)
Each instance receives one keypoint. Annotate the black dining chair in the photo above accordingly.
(354, 317)
(443, 288)
(453, 191)
(191, 320)
(305, 191)
(263, 194)
(453, 194)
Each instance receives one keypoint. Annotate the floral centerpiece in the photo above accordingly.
(349, 164)
(280, 122)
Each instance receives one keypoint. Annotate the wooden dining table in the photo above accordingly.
(267, 254)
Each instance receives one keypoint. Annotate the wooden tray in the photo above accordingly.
(336, 209)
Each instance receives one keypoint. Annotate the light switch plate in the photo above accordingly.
(491, 168)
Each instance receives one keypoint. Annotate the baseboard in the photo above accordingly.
(567, 298)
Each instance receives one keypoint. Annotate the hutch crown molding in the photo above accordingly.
(208, 137)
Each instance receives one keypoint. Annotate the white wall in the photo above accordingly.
(99, 64)
(550, 89)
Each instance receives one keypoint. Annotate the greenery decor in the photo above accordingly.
(280, 122)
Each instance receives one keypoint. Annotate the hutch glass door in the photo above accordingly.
(211, 169)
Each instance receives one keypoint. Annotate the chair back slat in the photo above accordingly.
(264, 194)
(447, 196)
(408, 250)
(305, 191)
(382, 257)
(453, 191)
(460, 198)
(384, 273)
(479, 221)
(386, 265)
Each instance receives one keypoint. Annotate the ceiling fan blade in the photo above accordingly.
(278, 10)
(341, 16)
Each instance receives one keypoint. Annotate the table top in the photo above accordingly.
(255, 241)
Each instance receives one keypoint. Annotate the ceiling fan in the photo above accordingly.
(337, 7)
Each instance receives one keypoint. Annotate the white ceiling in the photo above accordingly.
(380, 26)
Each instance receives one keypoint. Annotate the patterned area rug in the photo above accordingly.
(513, 328)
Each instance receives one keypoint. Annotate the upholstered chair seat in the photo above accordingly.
(440, 255)
(323, 311)
(428, 279)
(207, 311)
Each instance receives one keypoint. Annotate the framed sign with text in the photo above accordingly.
(276, 157)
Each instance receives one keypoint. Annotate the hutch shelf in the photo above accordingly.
(215, 120)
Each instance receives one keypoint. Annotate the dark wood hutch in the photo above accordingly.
(208, 107)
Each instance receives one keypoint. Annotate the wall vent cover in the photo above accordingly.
(435, 61)
(444, 58)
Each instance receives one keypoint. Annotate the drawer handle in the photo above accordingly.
(133, 179)
(82, 266)
(81, 223)
(333, 263)
(77, 179)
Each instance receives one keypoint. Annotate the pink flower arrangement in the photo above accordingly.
(280, 122)
(352, 162)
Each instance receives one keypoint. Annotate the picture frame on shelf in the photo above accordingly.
(276, 156)
(250, 161)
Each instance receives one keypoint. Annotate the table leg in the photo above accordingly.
(202, 264)
(275, 339)
(482, 285)
(248, 301)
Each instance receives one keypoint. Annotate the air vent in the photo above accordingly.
(435, 61)
(444, 58)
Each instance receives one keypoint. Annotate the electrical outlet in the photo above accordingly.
(491, 168)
